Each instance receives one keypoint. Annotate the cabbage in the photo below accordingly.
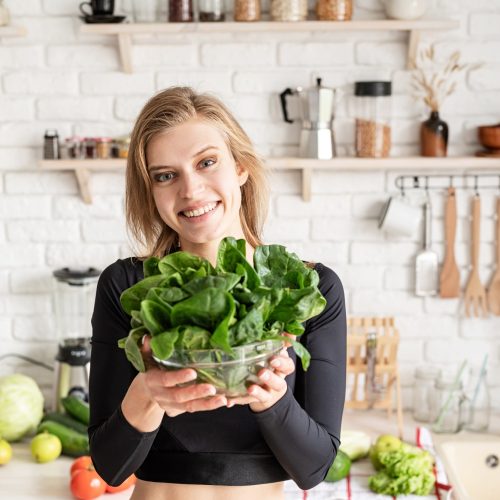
(21, 406)
(355, 444)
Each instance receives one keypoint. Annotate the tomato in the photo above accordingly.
(83, 462)
(86, 484)
(122, 487)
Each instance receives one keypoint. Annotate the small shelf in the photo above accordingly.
(83, 168)
(12, 31)
(125, 31)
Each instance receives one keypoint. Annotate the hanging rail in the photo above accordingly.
(422, 181)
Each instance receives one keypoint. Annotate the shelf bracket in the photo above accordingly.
(306, 184)
(413, 41)
(125, 46)
(83, 177)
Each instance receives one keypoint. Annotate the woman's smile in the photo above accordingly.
(200, 214)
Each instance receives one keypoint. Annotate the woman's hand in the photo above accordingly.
(274, 386)
(161, 387)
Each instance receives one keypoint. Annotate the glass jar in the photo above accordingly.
(373, 119)
(180, 11)
(288, 10)
(74, 148)
(424, 407)
(246, 10)
(103, 148)
(211, 10)
(334, 10)
(477, 404)
(89, 144)
(449, 399)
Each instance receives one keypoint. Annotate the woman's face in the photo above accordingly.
(196, 183)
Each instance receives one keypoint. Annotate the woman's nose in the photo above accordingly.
(191, 185)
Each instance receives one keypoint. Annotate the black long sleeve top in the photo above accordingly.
(297, 438)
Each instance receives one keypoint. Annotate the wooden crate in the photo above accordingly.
(358, 394)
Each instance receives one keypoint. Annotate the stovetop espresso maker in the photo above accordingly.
(315, 107)
(74, 296)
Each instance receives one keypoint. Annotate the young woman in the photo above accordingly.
(193, 178)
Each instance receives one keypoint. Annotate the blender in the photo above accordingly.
(74, 295)
(316, 113)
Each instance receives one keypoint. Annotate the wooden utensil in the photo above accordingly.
(449, 280)
(475, 294)
(494, 288)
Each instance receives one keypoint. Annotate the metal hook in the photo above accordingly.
(416, 182)
(475, 186)
(451, 181)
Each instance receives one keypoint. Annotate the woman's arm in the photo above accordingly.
(303, 429)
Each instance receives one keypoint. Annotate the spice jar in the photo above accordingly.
(74, 147)
(89, 144)
(288, 10)
(424, 407)
(211, 10)
(246, 10)
(373, 119)
(180, 11)
(334, 10)
(103, 147)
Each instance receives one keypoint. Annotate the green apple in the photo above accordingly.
(45, 447)
(5, 452)
(387, 442)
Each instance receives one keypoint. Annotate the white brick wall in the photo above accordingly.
(59, 78)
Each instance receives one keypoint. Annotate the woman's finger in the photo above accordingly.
(210, 403)
(272, 380)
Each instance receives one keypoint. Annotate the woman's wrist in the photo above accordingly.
(139, 409)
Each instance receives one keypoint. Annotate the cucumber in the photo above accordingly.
(66, 420)
(77, 408)
(73, 443)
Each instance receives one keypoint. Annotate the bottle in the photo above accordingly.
(211, 10)
(51, 145)
(424, 408)
(246, 10)
(477, 416)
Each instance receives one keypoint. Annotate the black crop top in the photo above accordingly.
(297, 438)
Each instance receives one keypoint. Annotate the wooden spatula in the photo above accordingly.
(494, 288)
(475, 294)
(449, 280)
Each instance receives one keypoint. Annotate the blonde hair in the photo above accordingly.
(169, 108)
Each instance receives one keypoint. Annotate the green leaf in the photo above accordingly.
(156, 317)
(131, 298)
(132, 350)
(162, 345)
(150, 266)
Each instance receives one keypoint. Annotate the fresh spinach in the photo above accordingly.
(186, 304)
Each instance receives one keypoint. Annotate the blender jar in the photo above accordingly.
(74, 296)
(373, 119)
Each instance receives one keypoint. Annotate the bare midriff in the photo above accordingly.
(146, 490)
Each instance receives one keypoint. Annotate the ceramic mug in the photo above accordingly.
(405, 9)
(98, 8)
(399, 217)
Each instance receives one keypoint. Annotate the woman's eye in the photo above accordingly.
(207, 163)
(164, 177)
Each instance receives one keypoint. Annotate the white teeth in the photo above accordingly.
(200, 211)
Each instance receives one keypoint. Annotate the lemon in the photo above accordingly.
(340, 467)
(5, 452)
(45, 447)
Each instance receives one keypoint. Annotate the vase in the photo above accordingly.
(433, 136)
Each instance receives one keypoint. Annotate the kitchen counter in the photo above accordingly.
(24, 479)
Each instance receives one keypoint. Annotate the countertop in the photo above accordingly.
(24, 479)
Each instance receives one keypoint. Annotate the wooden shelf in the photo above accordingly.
(416, 164)
(12, 31)
(125, 31)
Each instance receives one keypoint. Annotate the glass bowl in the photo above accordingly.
(230, 375)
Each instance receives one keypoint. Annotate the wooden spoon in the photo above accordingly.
(494, 288)
(449, 280)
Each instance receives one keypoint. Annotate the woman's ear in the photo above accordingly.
(242, 174)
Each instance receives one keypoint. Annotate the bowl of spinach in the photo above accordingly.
(197, 313)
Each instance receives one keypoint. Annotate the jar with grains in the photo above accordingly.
(211, 10)
(373, 119)
(180, 11)
(334, 10)
(103, 147)
(288, 10)
(246, 10)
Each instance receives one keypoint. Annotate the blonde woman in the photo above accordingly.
(193, 178)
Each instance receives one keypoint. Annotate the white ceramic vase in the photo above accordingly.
(405, 9)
